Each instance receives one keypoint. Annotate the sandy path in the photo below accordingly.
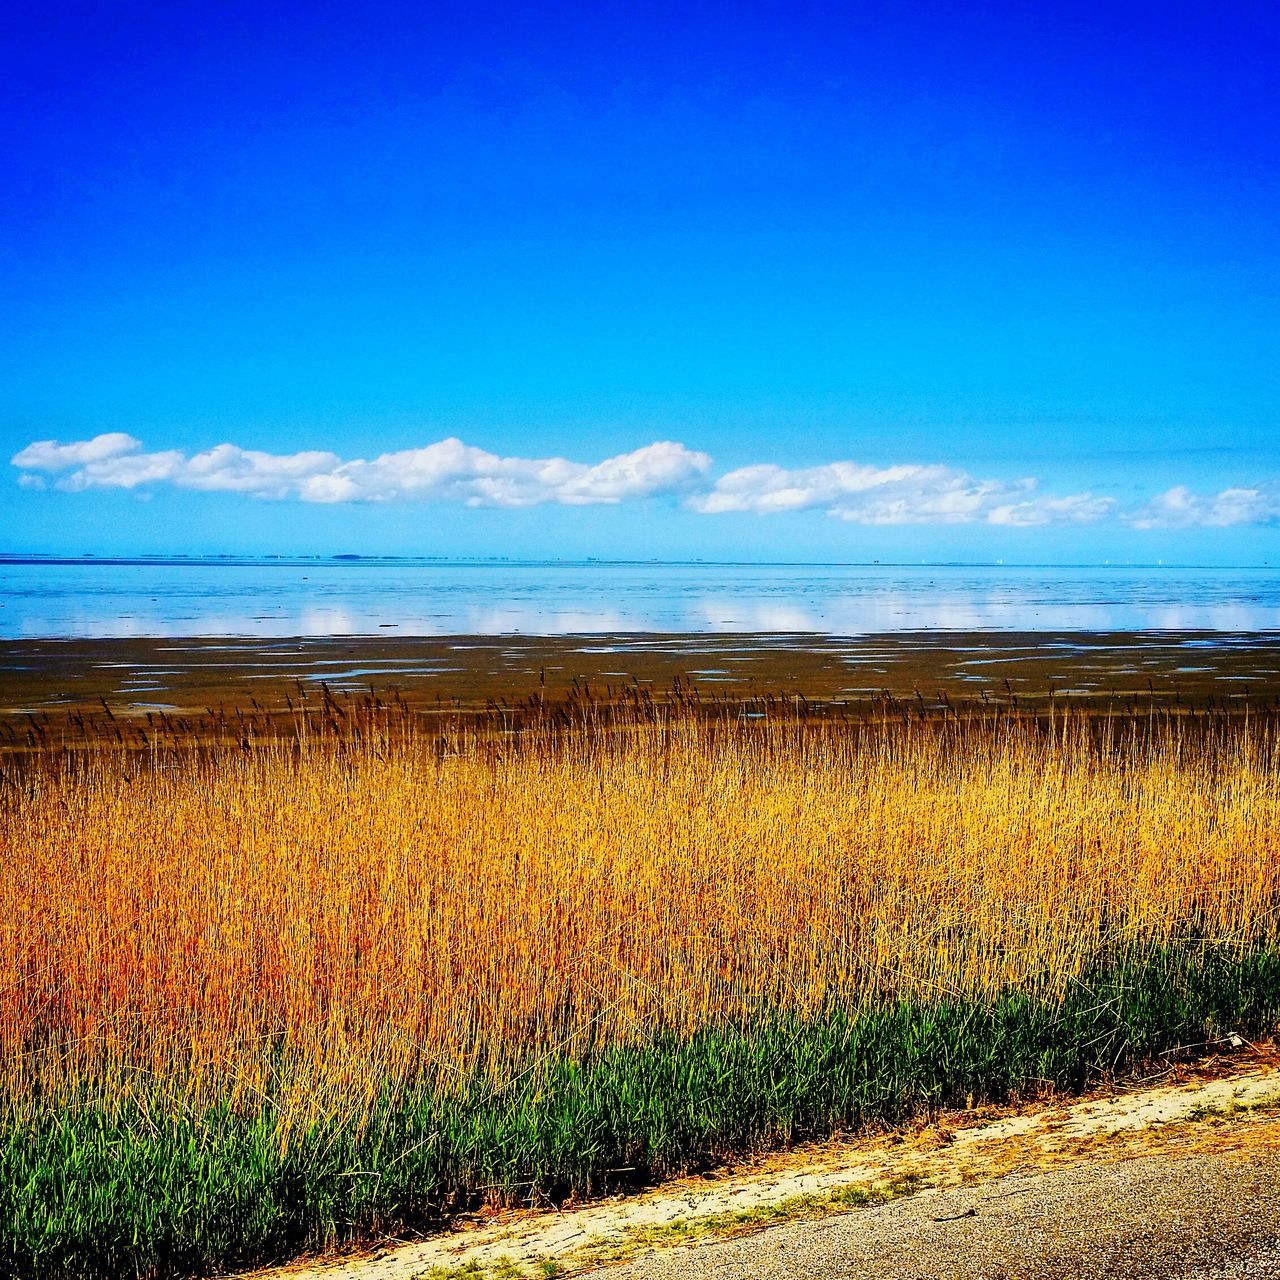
(1127, 1174)
(1194, 1216)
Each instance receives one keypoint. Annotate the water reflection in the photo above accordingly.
(278, 599)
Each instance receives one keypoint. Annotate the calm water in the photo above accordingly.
(290, 598)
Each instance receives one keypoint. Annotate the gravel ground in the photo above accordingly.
(1202, 1217)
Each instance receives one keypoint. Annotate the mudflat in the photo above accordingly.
(138, 675)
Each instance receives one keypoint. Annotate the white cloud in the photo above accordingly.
(895, 495)
(228, 468)
(1180, 508)
(49, 455)
(126, 471)
(447, 471)
(452, 471)
(1075, 508)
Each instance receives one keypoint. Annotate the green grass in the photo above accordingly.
(148, 1190)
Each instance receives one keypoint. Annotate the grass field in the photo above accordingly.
(261, 998)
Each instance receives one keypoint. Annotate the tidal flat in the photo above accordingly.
(196, 676)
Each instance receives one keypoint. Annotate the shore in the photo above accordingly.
(191, 676)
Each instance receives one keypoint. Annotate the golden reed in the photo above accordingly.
(321, 922)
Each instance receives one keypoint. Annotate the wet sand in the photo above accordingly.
(180, 676)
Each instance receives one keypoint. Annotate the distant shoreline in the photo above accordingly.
(544, 562)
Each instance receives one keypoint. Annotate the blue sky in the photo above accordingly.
(772, 282)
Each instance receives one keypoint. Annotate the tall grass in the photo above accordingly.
(256, 998)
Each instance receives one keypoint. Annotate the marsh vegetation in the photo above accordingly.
(262, 996)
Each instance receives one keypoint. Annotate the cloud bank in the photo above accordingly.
(447, 471)
(1179, 508)
(451, 471)
(896, 495)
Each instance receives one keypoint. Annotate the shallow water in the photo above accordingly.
(277, 597)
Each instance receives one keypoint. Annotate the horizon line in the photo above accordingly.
(349, 558)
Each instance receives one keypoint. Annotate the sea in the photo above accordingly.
(91, 597)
